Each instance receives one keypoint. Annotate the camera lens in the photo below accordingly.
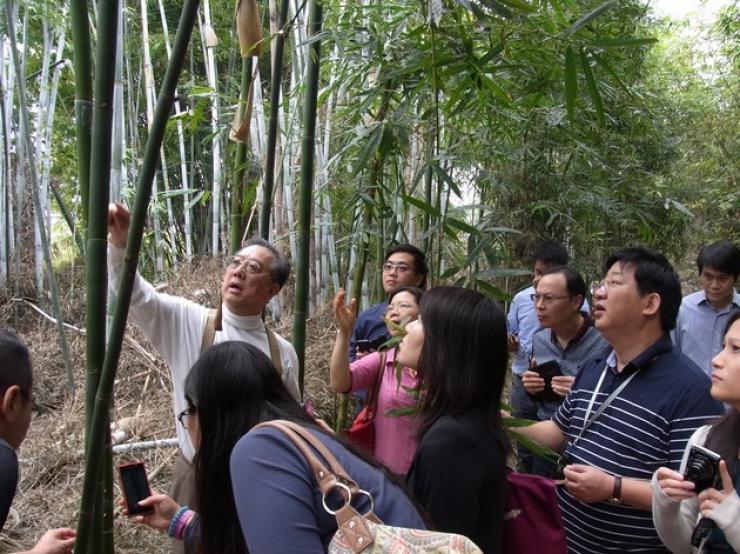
(700, 470)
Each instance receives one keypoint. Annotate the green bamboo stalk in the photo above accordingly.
(78, 13)
(275, 79)
(99, 433)
(22, 95)
(97, 245)
(305, 193)
(237, 194)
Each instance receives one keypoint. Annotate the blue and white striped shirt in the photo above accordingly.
(645, 427)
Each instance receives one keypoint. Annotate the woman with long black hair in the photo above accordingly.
(459, 348)
(255, 492)
(677, 508)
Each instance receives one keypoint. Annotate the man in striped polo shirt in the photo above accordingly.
(653, 398)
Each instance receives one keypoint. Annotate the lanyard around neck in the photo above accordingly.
(588, 421)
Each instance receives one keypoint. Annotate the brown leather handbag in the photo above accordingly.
(363, 533)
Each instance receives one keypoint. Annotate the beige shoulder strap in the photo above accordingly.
(209, 331)
(274, 351)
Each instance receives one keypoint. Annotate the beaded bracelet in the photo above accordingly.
(183, 523)
(173, 522)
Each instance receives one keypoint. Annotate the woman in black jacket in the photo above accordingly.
(458, 347)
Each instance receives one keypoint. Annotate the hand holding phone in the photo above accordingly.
(547, 371)
(135, 485)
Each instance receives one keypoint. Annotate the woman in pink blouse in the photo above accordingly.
(395, 435)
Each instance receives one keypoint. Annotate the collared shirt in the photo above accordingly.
(370, 325)
(580, 350)
(645, 427)
(699, 328)
(523, 323)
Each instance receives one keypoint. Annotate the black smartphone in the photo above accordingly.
(547, 371)
(363, 345)
(135, 485)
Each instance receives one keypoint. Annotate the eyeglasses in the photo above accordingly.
(399, 306)
(183, 414)
(547, 298)
(252, 267)
(606, 284)
(389, 267)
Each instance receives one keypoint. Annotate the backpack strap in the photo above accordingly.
(209, 331)
(274, 351)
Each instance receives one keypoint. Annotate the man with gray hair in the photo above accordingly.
(180, 329)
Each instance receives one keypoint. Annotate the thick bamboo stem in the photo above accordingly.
(305, 199)
(99, 431)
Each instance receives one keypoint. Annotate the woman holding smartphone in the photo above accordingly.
(459, 348)
(393, 389)
(254, 490)
(676, 506)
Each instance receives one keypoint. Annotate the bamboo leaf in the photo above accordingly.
(462, 226)
(626, 42)
(497, 272)
(593, 88)
(534, 447)
(400, 412)
(423, 206)
(371, 146)
(499, 8)
(590, 16)
(571, 82)
(491, 290)
(449, 272)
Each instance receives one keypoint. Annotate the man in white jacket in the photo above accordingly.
(179, 328)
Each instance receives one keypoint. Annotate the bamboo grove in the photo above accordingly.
(333, 128)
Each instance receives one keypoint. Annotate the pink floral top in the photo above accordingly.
(395, 436)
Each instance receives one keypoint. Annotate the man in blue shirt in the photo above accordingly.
(404, 265)
(16, 389)
(628, 413)
(522, 323)
(703, 314)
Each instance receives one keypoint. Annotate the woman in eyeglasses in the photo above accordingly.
(391, 388)
(710, 521)
(254, 490)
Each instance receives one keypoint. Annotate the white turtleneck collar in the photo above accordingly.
(246, 322)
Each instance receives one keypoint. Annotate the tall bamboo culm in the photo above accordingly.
(305, 193)
(78, 13)
(101, 515)
(99, 432)
(276, 78)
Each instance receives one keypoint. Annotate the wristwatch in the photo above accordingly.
(617, 491)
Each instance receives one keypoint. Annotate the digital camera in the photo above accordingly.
(702, 467)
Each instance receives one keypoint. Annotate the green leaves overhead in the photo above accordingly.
(590, 16)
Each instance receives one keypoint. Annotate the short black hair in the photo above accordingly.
(280, 268)
(420, 259)
(551, 252)
(15, 363)
(653, 274)
(574, 283)
(721, 255)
